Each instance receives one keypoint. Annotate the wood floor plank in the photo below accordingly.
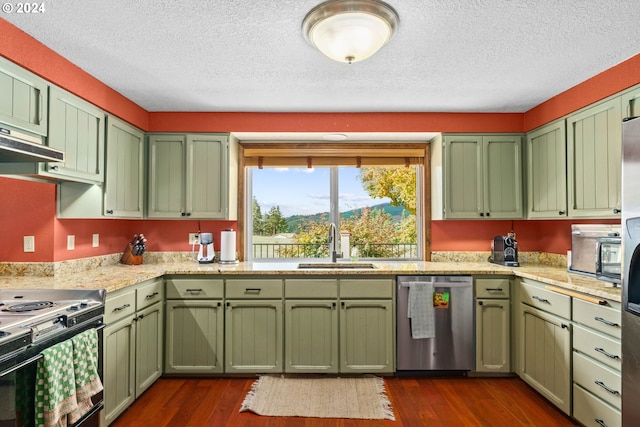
(417, 402)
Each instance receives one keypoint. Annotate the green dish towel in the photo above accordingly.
(55, 386)
(85, 362)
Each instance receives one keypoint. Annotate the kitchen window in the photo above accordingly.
(376, 199)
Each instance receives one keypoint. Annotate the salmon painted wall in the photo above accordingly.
(553, 236)
(28, 208)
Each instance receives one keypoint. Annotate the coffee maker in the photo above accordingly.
(206, 253)
(504, 250)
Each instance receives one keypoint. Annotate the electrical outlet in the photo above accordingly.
(194, 238)
(71, 242)
(95, 242)
(29, 244)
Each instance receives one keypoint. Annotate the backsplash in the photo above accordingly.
(543, 258)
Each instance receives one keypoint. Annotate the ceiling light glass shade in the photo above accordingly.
(350, 30)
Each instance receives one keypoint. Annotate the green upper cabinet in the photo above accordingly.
(76, 127)
(483, 176)
(189, 176)
(594, 160)
(23, 98)
(547, 171)
(124, 181)
(167, 176)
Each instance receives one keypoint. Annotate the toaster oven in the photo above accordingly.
(609, 259)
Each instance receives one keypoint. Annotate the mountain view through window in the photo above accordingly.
(292, 209)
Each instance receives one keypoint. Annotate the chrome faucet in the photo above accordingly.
(333, 242)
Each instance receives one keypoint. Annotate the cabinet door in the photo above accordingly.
(493, 343)
(311, 336)
(547, 171)
(253, 339)
(502, 166)
(207, 184)
(194, 337)
(23, 98)
(594, 159)
(149, 346)
(124, 181)
(167, 176)
(366, 336)
(76, 127)
(546, 355)
(463, 185)
(119, 368)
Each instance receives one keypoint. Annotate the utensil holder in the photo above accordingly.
(128, 257)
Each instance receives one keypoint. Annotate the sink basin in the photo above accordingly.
(336, 265)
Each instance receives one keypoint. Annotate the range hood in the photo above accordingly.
(20, 147)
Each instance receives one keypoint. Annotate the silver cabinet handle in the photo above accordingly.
(606, 322)
(194, 290)
(122, 307)
(540, 299)
(601, 422)
(494, 289)
(606, 353)
(609, 389)
(254, 291)
(153, 295)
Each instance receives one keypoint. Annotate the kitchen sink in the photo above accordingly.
(336, 265)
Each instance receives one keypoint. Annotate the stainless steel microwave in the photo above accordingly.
(609, 259)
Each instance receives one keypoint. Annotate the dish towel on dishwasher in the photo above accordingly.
(55, 385)
(85, 363)
(420, 310)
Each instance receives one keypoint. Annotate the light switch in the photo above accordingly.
(71, 242)
(29, 244)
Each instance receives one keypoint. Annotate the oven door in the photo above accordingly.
(17, 383)
(609, 259)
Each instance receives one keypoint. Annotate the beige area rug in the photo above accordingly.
(359, 397)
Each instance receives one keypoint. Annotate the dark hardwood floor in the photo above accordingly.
(433, 402)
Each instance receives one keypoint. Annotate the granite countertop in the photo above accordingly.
(119, 276)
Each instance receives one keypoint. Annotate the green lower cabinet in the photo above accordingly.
(194, 337)
(545, 349)
(119, 368)
(366, 336)
(253, 336)
(493, 344)
(149, 346)
(311, 336)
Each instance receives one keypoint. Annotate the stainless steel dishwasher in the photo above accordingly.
(449, 322)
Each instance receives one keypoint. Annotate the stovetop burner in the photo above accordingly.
(28, 306)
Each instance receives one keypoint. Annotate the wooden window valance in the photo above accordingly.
(323, 154)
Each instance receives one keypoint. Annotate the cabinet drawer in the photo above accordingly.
(601, 381)
(311, 288)
(603, 318)
(120, 305)
(598, 346)
(149, 293)
(254, 288)
(493, 288)
(544, 299)
(195, 288)
(366, 288)
(593, 412)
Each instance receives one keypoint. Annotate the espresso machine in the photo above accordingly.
(206, 253)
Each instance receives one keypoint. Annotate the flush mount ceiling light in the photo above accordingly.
(350, 30)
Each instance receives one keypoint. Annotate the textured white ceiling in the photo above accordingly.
(248, 55)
